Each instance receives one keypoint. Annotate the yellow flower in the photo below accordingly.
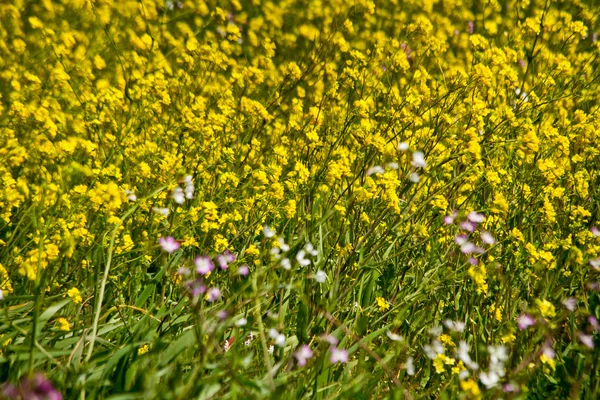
(143, 350)
(382, 303)
(75, 295)
(63, 324)
(546, 308)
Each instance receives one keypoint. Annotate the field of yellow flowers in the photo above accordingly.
(247, 199)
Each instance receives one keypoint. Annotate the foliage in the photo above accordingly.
(226, 199)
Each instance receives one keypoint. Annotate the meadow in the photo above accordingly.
(247, 199)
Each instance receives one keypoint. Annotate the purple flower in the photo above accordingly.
(303, 354)
(213, 294)
(243, 270)
(595, 231)
(524, 321)
(36, 388)
(473, 261)
(168, 244)
(593, 286)
(183, 271)
(338, 355)
(203, 265)
(587, 340)
(522, 63)
(471, 27)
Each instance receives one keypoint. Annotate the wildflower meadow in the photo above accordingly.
(342, 199)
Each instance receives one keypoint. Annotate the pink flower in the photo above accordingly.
(487, 238)
(475, 217)
(330, 339)
(449, 219)
(243, 270)
(203, 265)
(338, 355)
(570, 304)
(468, 226)
(594, 323)
(168, 244)
(461, 239)
(595, 231)
(303, 354)
(587, 340)
(525, 321)
(595, 264)
(213, 294)
(225, 258)
(196, 287)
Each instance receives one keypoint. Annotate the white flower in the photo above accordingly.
(301, 258)
(414, 177)
(271, 349)
(279, 338)
(310, 249)
(320, 276)
(394, 336)
(282, 245)
(1, 295)
(402, 146)
(418, 160)
(457, 326)
(178, 195)
(241, 322)
(434, 349)
(130, 195)
(161, 211)
(489, 379)
(409, 366)
(463, 355)
(393, 165)
(268, 232)
(377, 169)
(285, 263)
(189, 187)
